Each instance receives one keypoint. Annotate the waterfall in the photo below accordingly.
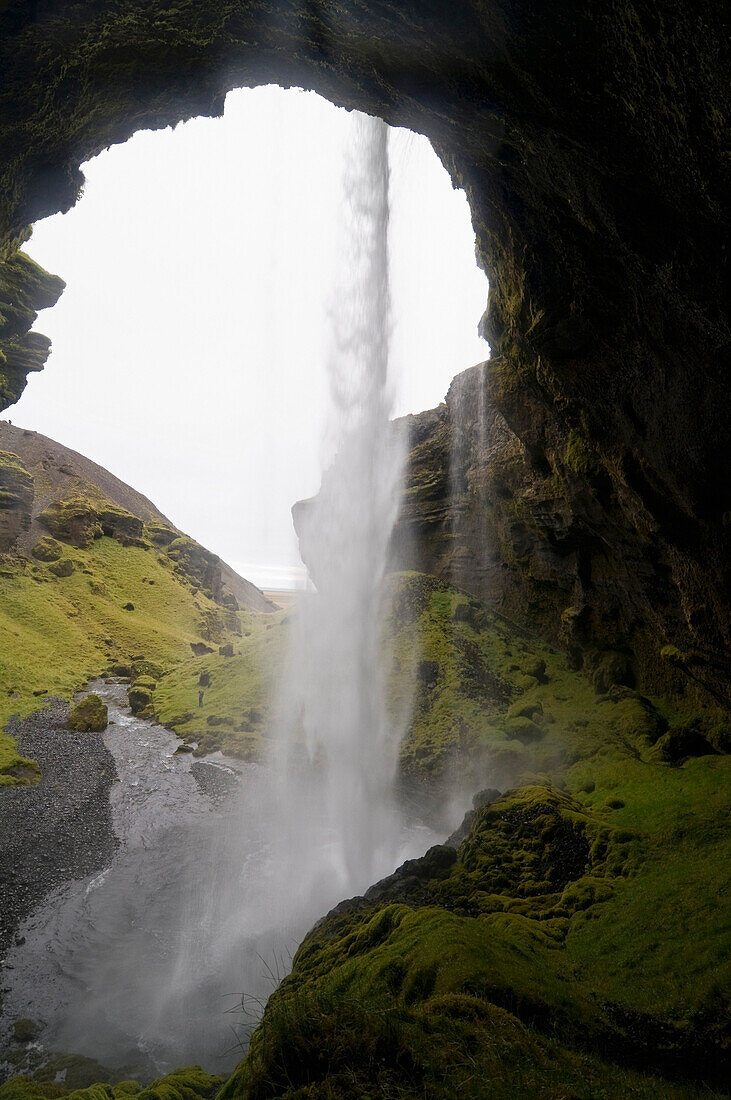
(200, 911)
(335, 751)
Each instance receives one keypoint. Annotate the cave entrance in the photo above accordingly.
(188, 345)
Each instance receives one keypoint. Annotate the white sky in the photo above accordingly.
(188, 348)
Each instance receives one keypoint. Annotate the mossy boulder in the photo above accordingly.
(191, 1083)
(89, 715)
(47, 549)
(140, 693)
(612, 668)
(26, 1030)
(62, 568)
(683, 742)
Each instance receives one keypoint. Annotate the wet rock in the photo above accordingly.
(428, 673)
(139, 694)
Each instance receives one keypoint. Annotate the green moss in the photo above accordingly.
(89, 715)
(235, 690)
(47, 549)
(191, 1083)
(55, 636)
(577, 456)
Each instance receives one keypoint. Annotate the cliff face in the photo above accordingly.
(589, 141)
(548, 544)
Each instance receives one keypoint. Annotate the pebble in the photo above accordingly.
(60, 828)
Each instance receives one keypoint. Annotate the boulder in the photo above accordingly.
(612, 669)
(139, 694)
(62, 568)
(47, 549)
(89, 715)
(226, 650)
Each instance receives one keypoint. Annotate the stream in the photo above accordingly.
(167, 956)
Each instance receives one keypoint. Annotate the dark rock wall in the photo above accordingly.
(590, 140)
(545, 544)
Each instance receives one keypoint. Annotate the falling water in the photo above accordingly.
(210, 906)
(336, 755)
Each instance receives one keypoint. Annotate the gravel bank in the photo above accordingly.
(61, 828)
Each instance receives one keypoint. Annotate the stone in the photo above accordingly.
(89, 715)
(226, 650)
(140, 693)
(62, 568)
(47, 549)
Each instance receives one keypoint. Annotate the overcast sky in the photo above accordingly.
(188, 347)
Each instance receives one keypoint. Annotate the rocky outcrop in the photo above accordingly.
(16, 499)
(76, 502)
(79, 520)
(546, 542)
(25, 288)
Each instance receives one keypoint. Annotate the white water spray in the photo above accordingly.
(336, 749)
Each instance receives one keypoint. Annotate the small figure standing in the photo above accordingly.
(200, 698)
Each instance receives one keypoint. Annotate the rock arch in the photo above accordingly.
(589, 140)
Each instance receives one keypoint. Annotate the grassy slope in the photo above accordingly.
(56, 632)
(237, 698)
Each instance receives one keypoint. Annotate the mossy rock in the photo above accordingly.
(26, 1030)
(74, 521)
(523, 729)
(140, 693)
(80, 520)
(683, 742)
(612, 668)
(47, 549)
(81, 1077)
(62, 568)
(89, 715)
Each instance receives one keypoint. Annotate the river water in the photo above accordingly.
(144, 966)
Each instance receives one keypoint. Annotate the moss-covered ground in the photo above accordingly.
(236, 691)
(191, 1083)
(579, 943)
(119, 603)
